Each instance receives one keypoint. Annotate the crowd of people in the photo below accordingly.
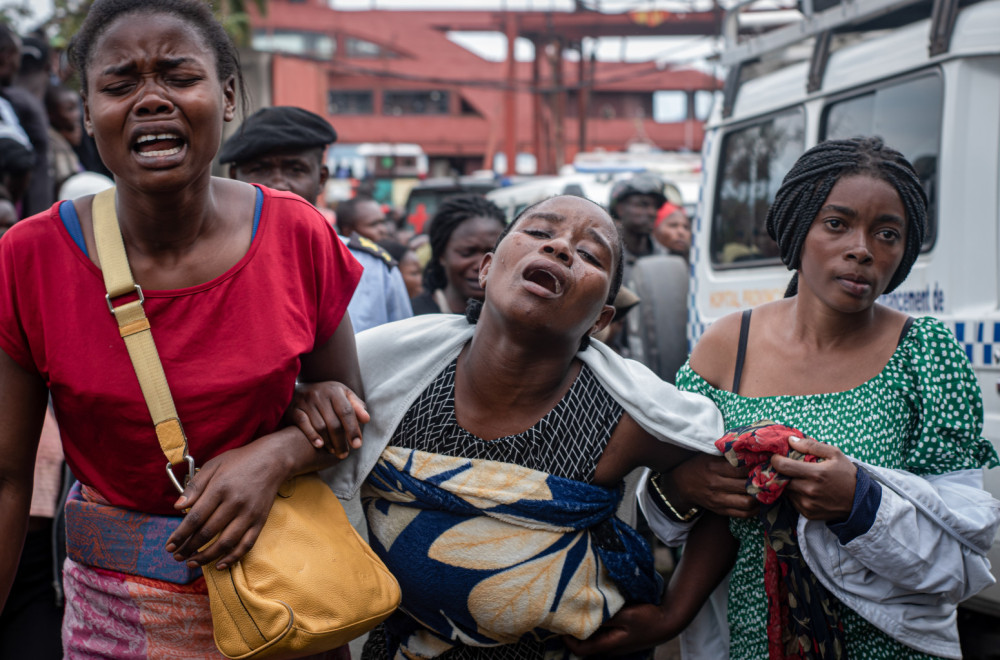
(820, 459)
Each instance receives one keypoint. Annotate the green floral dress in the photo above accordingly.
(923, 413)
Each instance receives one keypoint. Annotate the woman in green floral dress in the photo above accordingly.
(868, 385)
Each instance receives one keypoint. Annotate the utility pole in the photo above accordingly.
(509, 98)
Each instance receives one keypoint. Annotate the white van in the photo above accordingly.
(926, 81)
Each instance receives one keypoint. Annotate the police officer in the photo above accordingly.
(634, 204)
(282, 148)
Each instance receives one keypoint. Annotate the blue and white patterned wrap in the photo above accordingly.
(489, 553)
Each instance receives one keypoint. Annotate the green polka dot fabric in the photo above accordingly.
(923, 413)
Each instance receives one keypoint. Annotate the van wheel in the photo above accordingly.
(657, 328)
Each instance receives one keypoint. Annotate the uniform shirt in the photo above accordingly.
(381, 295)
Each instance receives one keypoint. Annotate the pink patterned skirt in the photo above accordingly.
(112, 615)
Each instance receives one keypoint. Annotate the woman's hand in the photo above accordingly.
(822, 490)
(228, 501)
(707, 559)
(711, 483)
(633, 628)
(330, 415)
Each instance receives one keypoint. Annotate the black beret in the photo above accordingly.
(281, 127)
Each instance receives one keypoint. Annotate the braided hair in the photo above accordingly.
(807, 185)
(452, 213)
(475, 307)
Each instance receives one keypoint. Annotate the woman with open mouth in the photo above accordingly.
(245, 291)
(493, 463)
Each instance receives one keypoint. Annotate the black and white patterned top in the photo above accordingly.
(567, 442)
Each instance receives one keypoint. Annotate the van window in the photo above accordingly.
(907, 115)
(754, 160)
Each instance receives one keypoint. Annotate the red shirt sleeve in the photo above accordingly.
(14, 290)
(335, 273)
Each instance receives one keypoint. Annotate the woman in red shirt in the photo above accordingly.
(246, 291)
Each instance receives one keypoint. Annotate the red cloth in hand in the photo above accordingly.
(803, 618)
(754, 445)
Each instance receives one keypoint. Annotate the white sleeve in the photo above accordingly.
(670, 532)
(927, 545)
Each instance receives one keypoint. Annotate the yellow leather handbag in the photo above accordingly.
(310, 583)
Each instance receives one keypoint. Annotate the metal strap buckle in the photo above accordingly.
(107, 298)
(187, 477)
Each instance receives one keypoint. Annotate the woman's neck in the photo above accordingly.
(819, 326)
(522, 370)
(161, 223)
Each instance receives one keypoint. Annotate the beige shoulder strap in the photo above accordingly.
(134, 328)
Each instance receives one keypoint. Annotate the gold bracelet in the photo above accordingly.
(692, 513)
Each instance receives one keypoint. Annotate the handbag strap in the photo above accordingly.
(134, 329)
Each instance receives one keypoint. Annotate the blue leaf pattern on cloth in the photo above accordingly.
(490, 553)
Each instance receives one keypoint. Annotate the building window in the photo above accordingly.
(350, 103)
(295, 42)
(703, 102)
(670, 106)
(754, 160)
(612, 105)
(677, 105)
(362, 49)
(907, 115)
(397, 103)
(466, 109)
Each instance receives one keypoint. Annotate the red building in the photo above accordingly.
(395, 77)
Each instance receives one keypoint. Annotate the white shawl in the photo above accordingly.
(399, 360)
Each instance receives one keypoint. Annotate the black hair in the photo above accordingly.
(452, 213)
(807, 185)
(475, 307)
(347, 211)
(197, 13)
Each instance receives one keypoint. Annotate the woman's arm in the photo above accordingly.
(707, 559)
(230, 497)
(707, 481)
(328, 405)
(22, 408)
